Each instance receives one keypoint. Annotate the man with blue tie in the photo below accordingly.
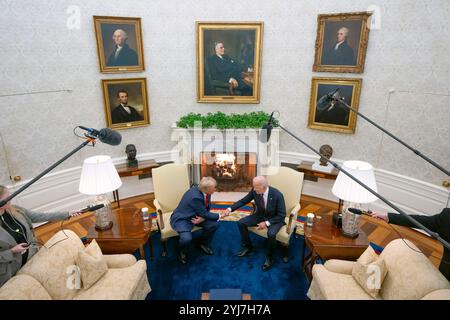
(193, 210)
(270, 214)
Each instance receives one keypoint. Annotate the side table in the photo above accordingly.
(326, 241)
(143, 167)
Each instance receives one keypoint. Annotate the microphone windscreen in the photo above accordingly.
(355, 211)
(264, 135)
(110, 137)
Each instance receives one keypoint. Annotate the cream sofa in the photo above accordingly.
(51, 274)
(410, 276)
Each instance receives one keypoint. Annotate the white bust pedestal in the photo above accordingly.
(328, 168)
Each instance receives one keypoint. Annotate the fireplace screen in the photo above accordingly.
(232, 171)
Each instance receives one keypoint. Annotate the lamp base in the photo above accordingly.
(350, 235)
(103, 228)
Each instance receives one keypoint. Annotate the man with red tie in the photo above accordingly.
(193, 210)
(270, 214)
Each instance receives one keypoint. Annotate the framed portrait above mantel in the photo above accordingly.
(341, 42)
(119, 44)
(126, 103)
(229, 61)
(326, 114)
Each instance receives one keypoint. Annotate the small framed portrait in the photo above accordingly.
(229, 61)
(341, 42)
(119, 44)
(126, 103)
(330, 114)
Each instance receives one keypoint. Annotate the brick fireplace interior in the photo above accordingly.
(233, 171)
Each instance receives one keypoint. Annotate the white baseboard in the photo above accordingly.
(58, 191)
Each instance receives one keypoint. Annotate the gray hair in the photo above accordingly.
(124, 34)
(206, 183)
(345, 30)
(262, 180)
(217, 43)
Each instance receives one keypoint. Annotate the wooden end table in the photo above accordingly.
(326, 241)
(143, 167)
(129, 233)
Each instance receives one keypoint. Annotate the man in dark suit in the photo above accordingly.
(223, 68)
(193, 210)
(122, 55)
(439, 223)
(341, 53)
(123, 112)
(270, 215)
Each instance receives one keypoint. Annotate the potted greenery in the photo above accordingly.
(220, 120)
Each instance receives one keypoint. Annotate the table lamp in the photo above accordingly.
(354, 194)
(98, 177)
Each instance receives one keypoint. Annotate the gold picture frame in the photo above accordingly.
(136, 111)
(119, 44)
(229, 61)
(327, 116)
(341, 42)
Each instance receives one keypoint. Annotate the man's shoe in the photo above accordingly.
(206, 249)
(182, 257)
(267, 264)
(245, 252)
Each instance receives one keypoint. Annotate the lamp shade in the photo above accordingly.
(99, 176)
(347, 189)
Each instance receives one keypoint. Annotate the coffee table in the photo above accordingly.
(326, 241)
(129, 233)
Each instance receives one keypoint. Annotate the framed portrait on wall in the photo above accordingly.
(119, 44)
(341, 42)
(325, 114)
(229, 61)
(126, 103)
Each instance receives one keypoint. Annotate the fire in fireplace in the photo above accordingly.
(233, 171)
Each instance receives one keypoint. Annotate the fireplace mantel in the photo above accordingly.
(192, 142)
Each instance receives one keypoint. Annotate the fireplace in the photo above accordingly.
(233, 171)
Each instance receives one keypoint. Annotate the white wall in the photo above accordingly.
(50, 79)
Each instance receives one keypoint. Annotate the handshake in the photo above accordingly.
(226, 213)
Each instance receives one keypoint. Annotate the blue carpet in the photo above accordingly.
(170, 280)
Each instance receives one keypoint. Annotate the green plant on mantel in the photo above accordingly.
(221, 120)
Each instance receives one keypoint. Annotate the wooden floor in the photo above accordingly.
(378, 231)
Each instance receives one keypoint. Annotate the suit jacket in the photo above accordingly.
(126, 57)
(192, 204)
(439, 223)
(10, 263)
(224, 69)
(275, 211)
(119, 115)
(344, 55)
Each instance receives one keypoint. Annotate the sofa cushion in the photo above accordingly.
(369, 271)
(337, 286)
(116, 284)
(54, 265)
(91, 263)
(23, 287)
(411, 275)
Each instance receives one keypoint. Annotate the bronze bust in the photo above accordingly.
(326, 152)
(130, 150)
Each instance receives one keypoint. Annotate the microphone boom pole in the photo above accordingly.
(394, 137)
(5, 201)
(434, 235)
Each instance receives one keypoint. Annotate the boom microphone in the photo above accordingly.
(359, 212)
(92, 208)
(266, 129)
(105, 135)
